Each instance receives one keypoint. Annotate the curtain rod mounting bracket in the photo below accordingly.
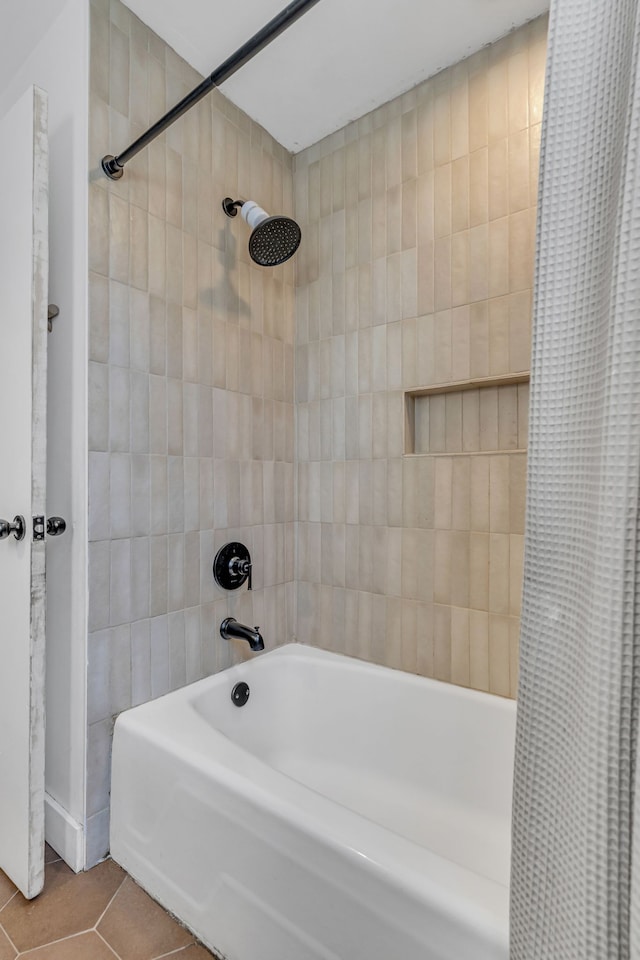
(112, 168)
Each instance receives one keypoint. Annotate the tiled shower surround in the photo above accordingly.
(415, 269)
(191, 388)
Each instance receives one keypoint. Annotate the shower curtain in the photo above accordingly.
(576, 855)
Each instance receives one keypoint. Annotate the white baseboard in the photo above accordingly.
(64, 834)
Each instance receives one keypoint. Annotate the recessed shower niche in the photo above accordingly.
(486, 415)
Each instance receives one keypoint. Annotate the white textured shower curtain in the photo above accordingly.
(576, 859)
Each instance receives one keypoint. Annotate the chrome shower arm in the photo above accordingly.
(113, 166)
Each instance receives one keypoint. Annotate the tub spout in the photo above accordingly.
(230, 629)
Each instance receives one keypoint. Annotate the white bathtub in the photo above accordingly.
(346, 812)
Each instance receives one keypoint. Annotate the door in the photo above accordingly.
(23, 390)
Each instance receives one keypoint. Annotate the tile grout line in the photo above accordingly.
(16, 891)
(175, 953)
(196, 943)
(101, 917)
(106, 942)
(7, 935)
(50, 943)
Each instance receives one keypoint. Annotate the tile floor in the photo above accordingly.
(99, 915)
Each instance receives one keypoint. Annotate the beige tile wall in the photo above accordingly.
(416, 269)
(191, 434)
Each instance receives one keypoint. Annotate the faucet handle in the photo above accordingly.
(232, 566)
(241, 568)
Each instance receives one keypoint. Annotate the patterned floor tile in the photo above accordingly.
(69, 904)
(62, 923)
(138, 928)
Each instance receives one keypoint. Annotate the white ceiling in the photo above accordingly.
(24, 25)
(342, 59)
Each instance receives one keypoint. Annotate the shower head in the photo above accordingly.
(273, 239)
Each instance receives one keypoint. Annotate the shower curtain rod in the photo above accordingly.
(114, 166)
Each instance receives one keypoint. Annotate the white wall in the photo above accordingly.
(56, 59)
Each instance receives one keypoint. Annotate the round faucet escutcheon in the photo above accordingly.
(232, 566)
